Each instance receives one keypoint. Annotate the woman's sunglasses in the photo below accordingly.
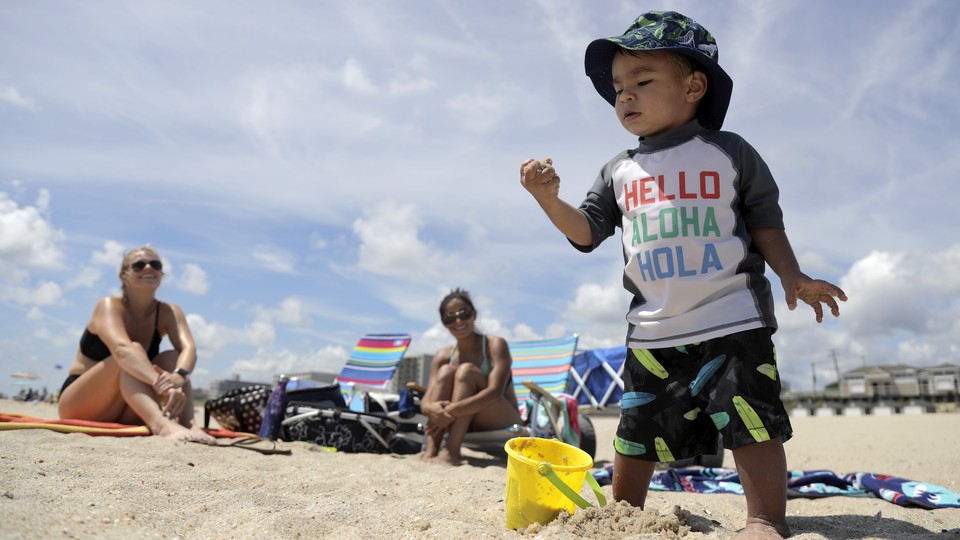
(140, 265)
(461, 315)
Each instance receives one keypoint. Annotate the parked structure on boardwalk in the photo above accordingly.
(901, 381)
(880, 390)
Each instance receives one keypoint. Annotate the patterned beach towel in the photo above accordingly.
(805, 484)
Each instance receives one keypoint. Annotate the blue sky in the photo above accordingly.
(313, 171)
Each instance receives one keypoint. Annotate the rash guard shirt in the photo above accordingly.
(685, 201)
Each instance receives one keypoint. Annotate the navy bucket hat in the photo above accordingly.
(666, 31)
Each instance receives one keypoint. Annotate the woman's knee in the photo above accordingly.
(469, 373)
(446, 373)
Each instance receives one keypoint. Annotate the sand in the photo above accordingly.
(56, 485)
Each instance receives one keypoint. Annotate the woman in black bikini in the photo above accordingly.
(471, 387)
(119, 374)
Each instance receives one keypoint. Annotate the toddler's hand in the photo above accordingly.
(540, 178)
(814, 292)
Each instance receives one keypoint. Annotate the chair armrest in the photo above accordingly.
(540, 392)
(416, 387)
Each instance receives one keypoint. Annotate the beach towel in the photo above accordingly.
(10, 421)
(805, 484)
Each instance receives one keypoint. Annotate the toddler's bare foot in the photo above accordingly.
(762, 529)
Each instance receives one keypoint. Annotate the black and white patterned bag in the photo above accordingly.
(240, 409)
(342, 429)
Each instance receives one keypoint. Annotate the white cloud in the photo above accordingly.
(268, 363)
(599, 303)
(318, 243)
(12, 96)
(480, 111)
(209, 337)
(26, 237)
(213, 337)
(111, 255)
(85, 276)
(353, 76)
(193, 280)
(817, 264)
(265, 365)
(275, 259)
(355, 79)
(290, 311)
(45, 294)
(905, 291)
(260, 333)
(390, 244)
(597, 312)
(406, 84)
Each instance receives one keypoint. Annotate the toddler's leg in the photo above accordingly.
(631, 479)
(763, 474)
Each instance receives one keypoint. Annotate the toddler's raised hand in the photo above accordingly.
(540, 178)
(814, 292)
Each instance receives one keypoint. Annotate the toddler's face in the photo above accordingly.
(653, 96)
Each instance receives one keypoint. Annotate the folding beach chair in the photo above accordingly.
(601, 380)
(371, 366)
(544, 363)
(541, 374)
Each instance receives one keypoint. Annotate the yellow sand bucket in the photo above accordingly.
(544, 476)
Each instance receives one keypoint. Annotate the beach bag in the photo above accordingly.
(345, 430)
(318, 397)
(241, 409)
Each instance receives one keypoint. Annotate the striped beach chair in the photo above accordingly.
(371, 364)
(543, 362)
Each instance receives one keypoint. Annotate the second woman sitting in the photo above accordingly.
(471, 384)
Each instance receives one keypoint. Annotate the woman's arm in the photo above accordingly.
(129, 355)
(501, 368)
(432, 403)
(178, 332)
(440, 359)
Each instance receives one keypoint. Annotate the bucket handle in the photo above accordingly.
(545, 470)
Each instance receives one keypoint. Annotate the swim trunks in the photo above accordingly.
(677, 399)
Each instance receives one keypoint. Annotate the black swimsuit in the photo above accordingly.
(95, 349)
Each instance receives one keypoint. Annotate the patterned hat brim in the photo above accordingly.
(713, 106)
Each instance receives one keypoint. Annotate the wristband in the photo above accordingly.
(182, 372)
